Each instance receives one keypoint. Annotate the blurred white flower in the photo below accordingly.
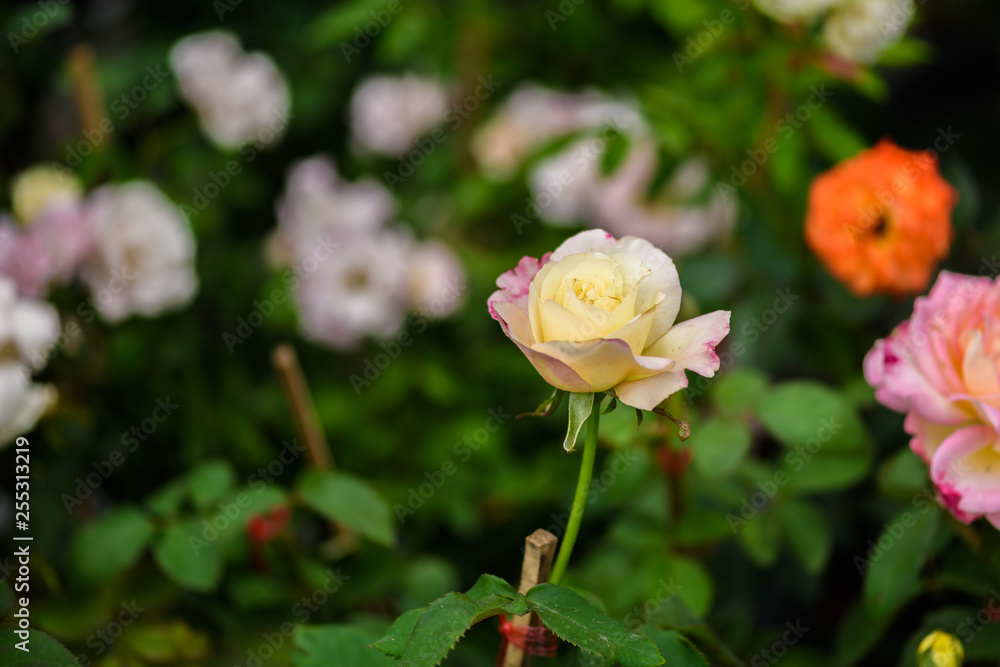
(389, 113)
(239, 97)
(436, 280)
(360, 290)
(28, 328)
(316, 203)
(673, 219)
(22, 402)
(533, 116)
(794, 11)
(143, 258)
(860, 30)
(37, 187)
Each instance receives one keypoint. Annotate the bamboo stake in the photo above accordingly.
(87, 91)
(286, 362)
(539, 552)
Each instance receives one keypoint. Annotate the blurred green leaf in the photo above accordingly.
(893, 562)
(761, 537)
(351, 501)
(718, 447)
(836, 139)
(209, 481)
(110, 544)
(675, 648)
(40, 650)
(808, 533)
(902, 475)
(188, 552)
(737, 392)
(323, 645)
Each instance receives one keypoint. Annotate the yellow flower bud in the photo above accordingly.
(940, 649)
(37, 187)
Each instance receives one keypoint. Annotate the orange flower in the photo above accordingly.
(881, 220)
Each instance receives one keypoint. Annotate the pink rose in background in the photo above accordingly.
(942, 368)
(599, 313)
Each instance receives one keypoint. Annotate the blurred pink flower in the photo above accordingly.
(942, 368)
(389, 113)
(436, 281)
(49, 250)
(533, 116)
(239, 97)
(355, 291)
(673, 218)
(316, 203)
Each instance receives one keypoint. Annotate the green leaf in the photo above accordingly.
(489, 584)
(858, 634)
(189, 553)
(548, 407)
(718, 447)
(446, 620)
(580, 407)
(893, 562)
(490, 590)
(804, 414)
(695, 587)
(808, 533)
(209, 482)
(112, 543)
(323, 645)
(351, 501)
(166, 501)
(738, 391)
(834, 137)
(43, 651)
(612, 404)
(784, 163)
(676, 649)
(902, 476)
(570, 617)
(906, 51)
(398, 635)
(761, 538)
(828, 446)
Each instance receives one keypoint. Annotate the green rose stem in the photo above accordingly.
(580, 499)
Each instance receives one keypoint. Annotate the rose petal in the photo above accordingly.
(603, 363)
(927, 435)
(692, 345)
(966, 470)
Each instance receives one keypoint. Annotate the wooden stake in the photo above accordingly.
(286, 362)
(303, 411)
(539, 552)
(87, 91)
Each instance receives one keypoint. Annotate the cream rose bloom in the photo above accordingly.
(598, 315)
